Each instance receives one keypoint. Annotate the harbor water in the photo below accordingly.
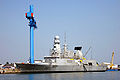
(63, 76)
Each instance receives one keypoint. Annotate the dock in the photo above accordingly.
(9, 71)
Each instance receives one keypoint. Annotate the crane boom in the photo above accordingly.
(87, 52)
(111, 63)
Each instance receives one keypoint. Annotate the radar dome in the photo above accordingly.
(57, 37)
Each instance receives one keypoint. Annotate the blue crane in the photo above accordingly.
(32, 23)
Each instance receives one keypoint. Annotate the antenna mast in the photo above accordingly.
(65, 45)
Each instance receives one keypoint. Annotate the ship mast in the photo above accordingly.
(65, 46)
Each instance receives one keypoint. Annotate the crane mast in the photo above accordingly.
(111, 63)
(32, 23)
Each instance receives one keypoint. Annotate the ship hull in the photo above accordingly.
(26, 68)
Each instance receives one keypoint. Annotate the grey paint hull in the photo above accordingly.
(59, 68)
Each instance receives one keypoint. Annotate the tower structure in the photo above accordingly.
(56, 51)
(32, 23)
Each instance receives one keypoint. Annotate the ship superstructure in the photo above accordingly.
(56, 50)
(62, 61)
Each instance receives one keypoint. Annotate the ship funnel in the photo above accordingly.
(78, 52)
(77, 48)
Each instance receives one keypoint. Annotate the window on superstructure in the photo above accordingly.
(90, 64)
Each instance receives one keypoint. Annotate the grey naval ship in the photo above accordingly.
(62, 60)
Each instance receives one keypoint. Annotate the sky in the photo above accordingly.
(87, 23)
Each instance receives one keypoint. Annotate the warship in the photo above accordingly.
(62, 61)
(58, 60)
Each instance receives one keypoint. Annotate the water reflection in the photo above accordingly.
(72, 76)
(63, 76)
(66, 76)
(31, 76)
(56, 76)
